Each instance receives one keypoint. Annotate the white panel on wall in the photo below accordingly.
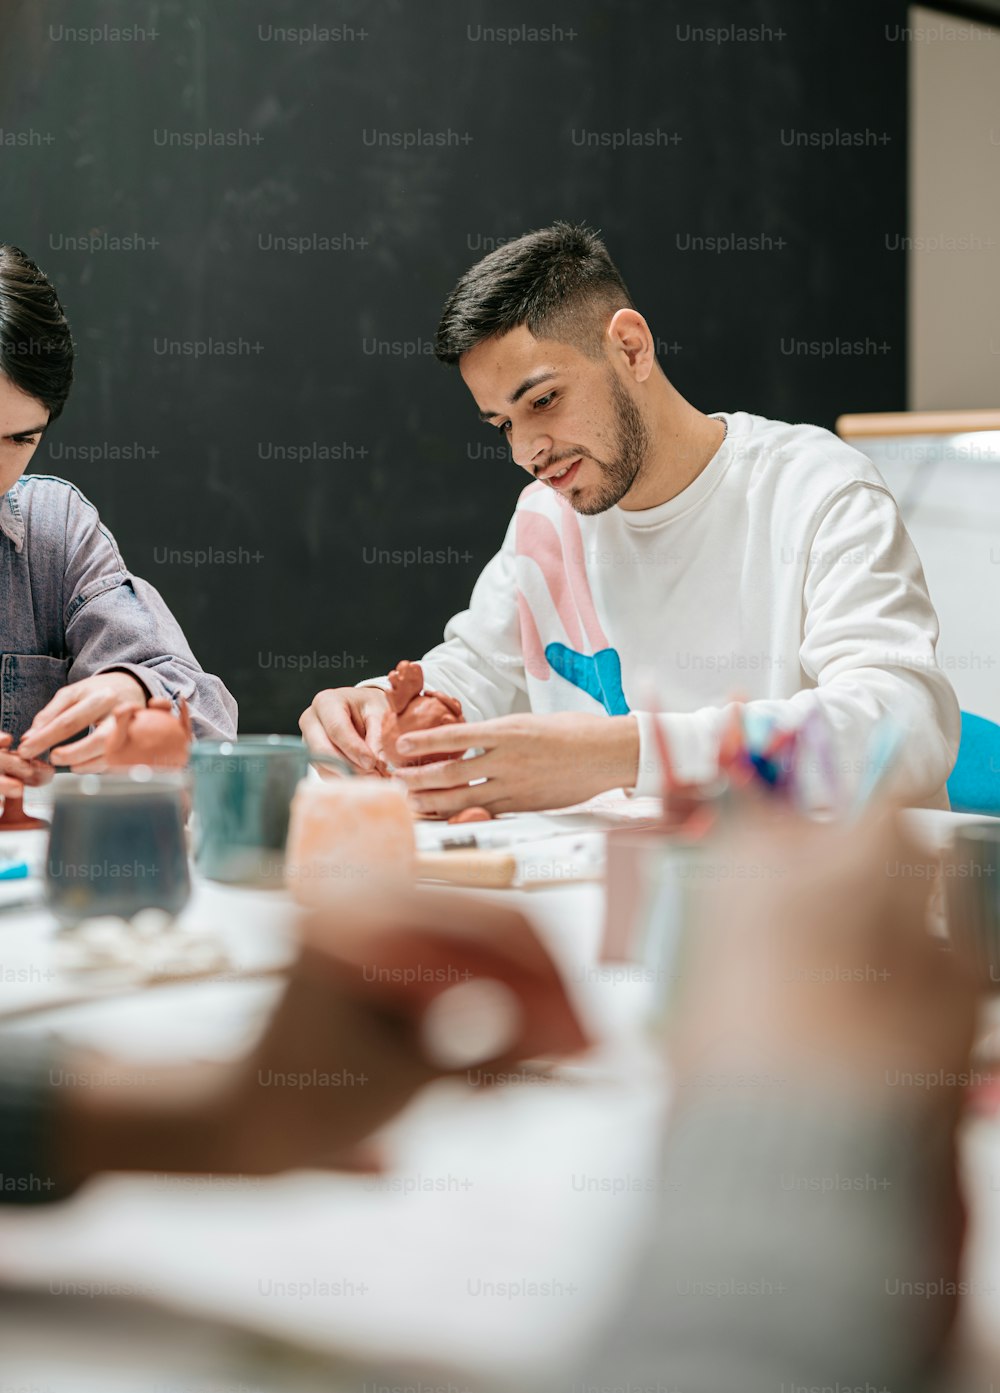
(948, 490)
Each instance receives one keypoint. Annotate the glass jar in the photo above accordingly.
(117, 845)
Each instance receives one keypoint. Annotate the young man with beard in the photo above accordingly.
(660, 554)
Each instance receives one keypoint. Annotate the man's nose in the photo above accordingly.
(530, 450)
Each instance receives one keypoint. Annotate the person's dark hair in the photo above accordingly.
(559, 282)
(36, 346)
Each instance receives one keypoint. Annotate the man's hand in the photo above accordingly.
(815, 1003)
(342, 1054)
(347, 721)
(353, 1011)
(75, 707)
(529, 762)
(811, 965)
(16, 771)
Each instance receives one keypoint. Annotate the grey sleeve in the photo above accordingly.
(114, 620)
(800, 1244)
(29, 1076)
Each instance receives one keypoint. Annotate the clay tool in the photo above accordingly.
(487, 836)
(561, 860)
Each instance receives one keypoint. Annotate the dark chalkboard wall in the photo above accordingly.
(326, 436)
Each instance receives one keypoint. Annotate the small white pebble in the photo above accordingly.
(152, 923)
(104, 929)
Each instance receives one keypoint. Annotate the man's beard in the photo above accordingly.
(619, 472)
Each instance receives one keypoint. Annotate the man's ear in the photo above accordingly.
(631, 337)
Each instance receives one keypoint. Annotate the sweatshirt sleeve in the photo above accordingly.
(480, 660)
(115, 621)
(801, 1243)
(867, 648)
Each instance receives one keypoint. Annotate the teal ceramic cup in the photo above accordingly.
(242, 795)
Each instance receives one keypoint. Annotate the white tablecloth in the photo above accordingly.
(495, 1242)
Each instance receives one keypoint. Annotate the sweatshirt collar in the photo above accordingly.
(700, 488)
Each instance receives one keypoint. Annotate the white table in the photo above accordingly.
(544, 1183)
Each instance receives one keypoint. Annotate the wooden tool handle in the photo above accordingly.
(489, 870)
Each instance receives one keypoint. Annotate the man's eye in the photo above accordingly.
(24, 439)
(544, 401)
(504, 427)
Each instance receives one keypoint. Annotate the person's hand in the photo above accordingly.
(346, 1048)
(811, 964)
(529, 762)
(75, 707)
(817, 1001)
(16, 771)
(347, 722)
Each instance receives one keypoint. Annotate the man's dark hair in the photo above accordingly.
(36, 347)
(559, 282)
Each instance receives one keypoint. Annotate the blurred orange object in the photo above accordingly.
(14, 818)
(345, 834)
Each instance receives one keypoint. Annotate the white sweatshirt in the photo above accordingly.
(782, 574)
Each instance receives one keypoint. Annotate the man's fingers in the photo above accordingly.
(97, 765)
(39, 773)
(373, 730)
(76, 717)
(14, 765)
(320, 743)
(335, 720)
(442, 774)
(25, 771)
(454, 739)
(36, 738)
(63, 698)
(91, 747)
(447, 802)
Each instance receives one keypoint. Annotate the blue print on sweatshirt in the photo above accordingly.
(599, 676)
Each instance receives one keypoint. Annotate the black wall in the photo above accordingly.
(175, 449)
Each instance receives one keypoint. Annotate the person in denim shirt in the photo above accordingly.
(79, 634)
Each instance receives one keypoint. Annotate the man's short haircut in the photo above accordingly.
(559, 282)
(36, 346)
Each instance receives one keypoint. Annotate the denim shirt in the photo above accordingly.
(71, 608)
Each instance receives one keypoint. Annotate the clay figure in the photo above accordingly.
(472, 815)
(14, 818)
(414, 708)
(150, 734)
